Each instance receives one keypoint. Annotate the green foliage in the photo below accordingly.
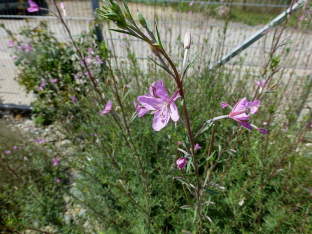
(122, 170)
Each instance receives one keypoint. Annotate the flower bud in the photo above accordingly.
(154, 50)
(181, 162)
(62, 5)
(141, 19)
(261, 130)
(187, 40)
(121, 25)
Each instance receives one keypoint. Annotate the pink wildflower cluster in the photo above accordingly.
(41, 86)
(163, 107)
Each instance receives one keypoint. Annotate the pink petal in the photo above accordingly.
(161, 90)
(160, 121)
(108, 107)
(241, 105)
(174, 112)
(57, 180)
(142, 112)
(246, 125)
(180, 143)
(175, 96)
(224, 104)
(152, 89)
(197, 146)
(181, 162)
(149, 102)
(241, 118)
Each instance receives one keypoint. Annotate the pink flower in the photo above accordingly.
(162, 107)
(238, 113)
(7, 152)
(88, 21)
(301, 18)
(75, 77)
(108, 107)
(57, 180)
(253, 106)
(15, 147)
(73, 99)
(261, 130)
(39, 124)
(11, 43)
(181, 162)
(33, 6)
(90, 50)
(261, 84)
(72, 116)
(180, 143)
(31, 127)
(20, 48)
(286, 129)
(192, 2)
(86, 60)
(95, 134)
(62, 5)
(224, 104)
(40, 88)
(96, 25)
(197, 146)
(202, 3)
(98, 59)
(190, 12)
(53, 80)
(25, 158)
(40, 141)
(264, 123)
(14, 57)
(27, 48)
(55, 161)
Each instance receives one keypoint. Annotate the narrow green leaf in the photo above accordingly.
(133, 117)
(158, 64)
(211, 191)
(122, 31)
(190, 64)
(126, 95)
(207, 126)
(195, 214)
(158, 36)
(128, 12)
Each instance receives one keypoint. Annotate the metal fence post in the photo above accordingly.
(98, 30)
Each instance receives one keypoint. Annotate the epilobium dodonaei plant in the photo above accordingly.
(164, 108)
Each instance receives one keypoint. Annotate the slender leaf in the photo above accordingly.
(126, 95)
(191, 63)
(159, 41)
(128, 12)
(122, 31)
(135, 114)
(211, 191)
(195, 214)
(159, 64)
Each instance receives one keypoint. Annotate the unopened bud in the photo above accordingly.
(121, 25)
(141, 19)
(62, 5)
(187, 40)
(154, 50)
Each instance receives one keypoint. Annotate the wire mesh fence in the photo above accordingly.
(205, 19)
